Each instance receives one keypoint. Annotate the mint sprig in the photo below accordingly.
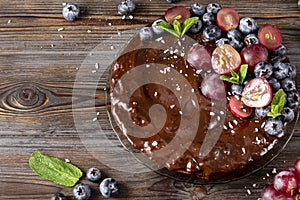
(54, 169)
(177, 29)
(277, 104)
(236, 78)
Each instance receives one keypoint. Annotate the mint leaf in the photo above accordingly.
(177, 26)
(167, 27)
(277, 104)
(187, 24)
(236, 78)
(54, 169)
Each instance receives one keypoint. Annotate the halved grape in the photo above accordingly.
(253, 54)
(270, 36)
(225, 58)
(213, 87)
(199, 57)
(238, 108)
(179, 13)
(227, 19)
(257, 93)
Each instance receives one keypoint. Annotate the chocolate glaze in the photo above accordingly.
(242, 142)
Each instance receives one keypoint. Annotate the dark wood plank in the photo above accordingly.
(38, 68)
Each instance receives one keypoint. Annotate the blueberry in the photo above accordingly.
(208, 19)
(263, 69)
(273, 126)
(222, 41)
(280, 70)
(212, 32)
(213, 8)
(94, 174)
(287, 114)
(251, 39)
(198, 9)
(262, 112)
(71, 12)
(59, 196)
(281, 51)
(292, 70)
(292, 99)
(172, 1)
(234, 35)
(288, 85)
(248, 25)
(196, 28)
(274, 84)
(82, 191)
(108, 187)
(298, 3)
(236, 89)
(126, 7)
(157, 30)
(146, 33)
(238, 45)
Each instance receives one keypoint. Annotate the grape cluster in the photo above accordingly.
(286, 185)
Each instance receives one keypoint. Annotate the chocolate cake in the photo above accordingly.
(194, 134)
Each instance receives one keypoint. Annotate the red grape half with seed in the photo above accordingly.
(270, 36)
(238, 108)
(179, 13)
(227, 19)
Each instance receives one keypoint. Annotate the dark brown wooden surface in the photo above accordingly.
(38, 68)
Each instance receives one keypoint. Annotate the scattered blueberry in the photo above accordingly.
(263, 69)
(71, 12)
(208, 19)
(196, 28)
(262, 112)
(292, 70)
(292, 99)
(146, 33)
(126, 7)
(287, 114)
(236, 89)
(213, 8)
(212, 32)
(251, 39)
(94, 174)
(108, 187)
(274, 84)
(198, 9)
(288, 85)
(157, 30)
(59, 196)
(281, 51)
(82, 191)
(273, 126)
(248, 25)
(222, 41)
(280, 70)
(172, 1)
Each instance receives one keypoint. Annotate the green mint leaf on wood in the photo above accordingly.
(187, 24)
(54, 169)
(178, 30)
(236, 78)
(277, 104)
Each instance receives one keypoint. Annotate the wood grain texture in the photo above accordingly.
(38, 69)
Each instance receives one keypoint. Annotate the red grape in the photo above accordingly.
(180, 13)
(270, 36)
(253, 54)
(286, 182)
(257, 93)
(227, 19)
(238, 108)
(224, 59)
(213, 87)
(297, 169)
(199, 57)
(269, 193)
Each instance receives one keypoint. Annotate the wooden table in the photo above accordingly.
(41, 56)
